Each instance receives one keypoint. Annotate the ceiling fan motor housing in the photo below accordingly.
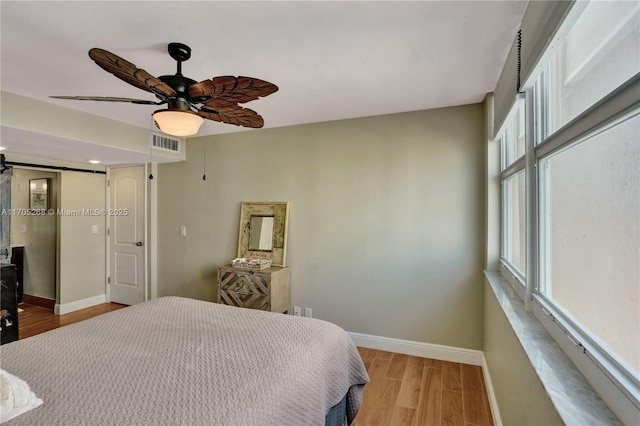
(180, 52)
(178, 105)
(179, 83)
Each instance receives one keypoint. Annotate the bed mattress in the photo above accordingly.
(187, 362)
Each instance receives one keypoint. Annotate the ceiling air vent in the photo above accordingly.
(165, 143)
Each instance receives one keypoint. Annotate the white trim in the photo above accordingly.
(65, 308)
(433, 351)
(618, 106)
(152, 233)
(425, 350)
(145, 253)
(107, 254)
(493, 401)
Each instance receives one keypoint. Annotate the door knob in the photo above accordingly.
(139, 243)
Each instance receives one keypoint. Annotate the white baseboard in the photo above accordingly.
(430, 350)
(425, 350)
(65, 308)
(493, 401)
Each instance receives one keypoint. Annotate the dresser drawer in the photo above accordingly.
(245, 300)
(266, 289)
(245, 290)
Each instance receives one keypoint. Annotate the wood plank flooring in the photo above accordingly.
(413, 391)
(35, 319)
(404, 390)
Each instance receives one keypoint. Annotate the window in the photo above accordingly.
(514, 247)
(590, 211)
(512, 139)
(600, 52)
(571, 196)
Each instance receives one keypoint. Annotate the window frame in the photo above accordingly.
(609, 377)
(507, 136)
(610, 366)
(617, 385)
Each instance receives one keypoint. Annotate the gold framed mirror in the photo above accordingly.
(263, 231)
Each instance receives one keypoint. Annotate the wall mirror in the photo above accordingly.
(263, 231)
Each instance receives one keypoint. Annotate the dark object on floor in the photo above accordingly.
(8, 305)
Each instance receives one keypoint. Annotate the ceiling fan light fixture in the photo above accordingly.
(178, 122)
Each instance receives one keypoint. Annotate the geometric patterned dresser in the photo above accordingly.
(266, 289)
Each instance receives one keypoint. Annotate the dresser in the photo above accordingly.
(266, 289)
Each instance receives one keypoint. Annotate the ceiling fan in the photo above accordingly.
(188, 102)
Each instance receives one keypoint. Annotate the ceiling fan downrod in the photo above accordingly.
(180, 52)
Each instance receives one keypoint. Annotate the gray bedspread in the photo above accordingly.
(187, 362)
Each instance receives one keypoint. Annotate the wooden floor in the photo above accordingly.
(404, 390)
(413, 391)
(35, 319)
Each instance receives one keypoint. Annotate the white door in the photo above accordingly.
(127, 271)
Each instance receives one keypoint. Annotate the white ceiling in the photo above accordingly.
(331, 60)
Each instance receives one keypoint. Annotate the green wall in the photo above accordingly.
(386, 228)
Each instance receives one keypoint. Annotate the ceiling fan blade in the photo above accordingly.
(235, 90)
(219, 103)
(109, 99)
(234, 114)
(128, 72)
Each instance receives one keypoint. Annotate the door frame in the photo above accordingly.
(147, 208)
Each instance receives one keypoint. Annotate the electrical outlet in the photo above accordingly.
(183, 231)
(296, 311)
(307, 313)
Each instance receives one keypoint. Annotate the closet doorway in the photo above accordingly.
(34, 235)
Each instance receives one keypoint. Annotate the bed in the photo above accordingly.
(181, 361)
